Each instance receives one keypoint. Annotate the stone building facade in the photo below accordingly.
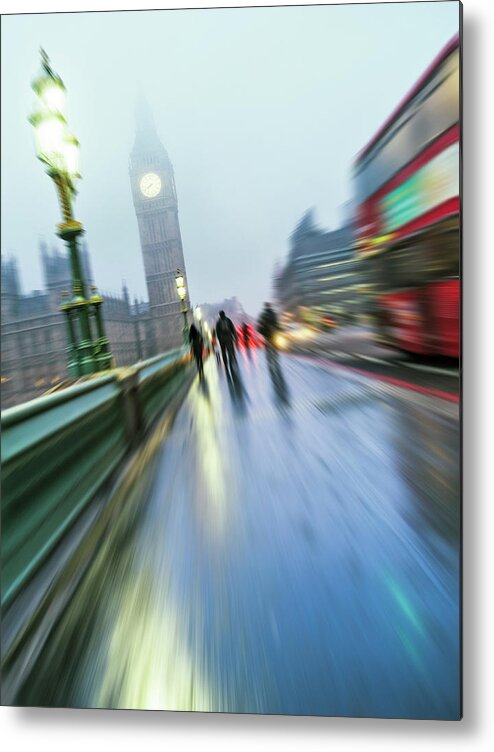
(33, 330)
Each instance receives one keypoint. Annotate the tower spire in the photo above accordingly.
(125, 295)
(146, 138)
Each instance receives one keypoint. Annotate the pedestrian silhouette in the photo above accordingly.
(197, 346)
(228, 338)
(269, 327)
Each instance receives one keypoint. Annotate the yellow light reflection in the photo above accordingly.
(280, 341)
(215, 481)
(149, 665)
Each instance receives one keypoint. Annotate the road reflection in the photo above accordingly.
(308, 566)
(276, 375)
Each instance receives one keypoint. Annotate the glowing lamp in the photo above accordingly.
(51, 90)
(179, 281)
(49, 135)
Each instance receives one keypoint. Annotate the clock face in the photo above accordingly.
(150, 185)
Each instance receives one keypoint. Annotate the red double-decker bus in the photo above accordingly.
(407, 183)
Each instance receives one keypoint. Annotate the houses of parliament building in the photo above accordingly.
(34, 331)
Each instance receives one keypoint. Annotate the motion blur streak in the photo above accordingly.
(214, 481)
(296, 550)
(148, 666)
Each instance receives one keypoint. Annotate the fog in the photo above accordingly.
(261, 110)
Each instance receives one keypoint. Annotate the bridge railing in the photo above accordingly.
(59, 450)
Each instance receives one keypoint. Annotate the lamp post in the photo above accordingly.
(72, 367)
(102, 350)
(182, 292)
(58, 149)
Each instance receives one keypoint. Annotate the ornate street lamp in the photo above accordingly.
(182, 292)
(58, 149)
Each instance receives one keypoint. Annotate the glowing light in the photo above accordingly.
(302, 332)
(180, 282)
(150, 185)
(49, 133)
(54, 96)
(280, 341)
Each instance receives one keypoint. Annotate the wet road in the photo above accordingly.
(355, 347)
(293, 548)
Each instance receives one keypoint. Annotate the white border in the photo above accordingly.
(53, 730)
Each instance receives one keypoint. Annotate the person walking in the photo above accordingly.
(268, 325)
(197, 346)
(228, 338)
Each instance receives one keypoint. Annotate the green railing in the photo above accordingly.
(58, 450)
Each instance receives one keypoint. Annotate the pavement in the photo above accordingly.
(294, 548)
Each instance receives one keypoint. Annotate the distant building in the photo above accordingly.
(320, 279)
(34, 333)
(57, 273)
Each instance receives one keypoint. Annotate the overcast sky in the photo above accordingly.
(262, 111)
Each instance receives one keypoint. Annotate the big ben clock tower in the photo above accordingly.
(155, 201)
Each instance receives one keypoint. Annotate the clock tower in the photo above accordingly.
(155, 201)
